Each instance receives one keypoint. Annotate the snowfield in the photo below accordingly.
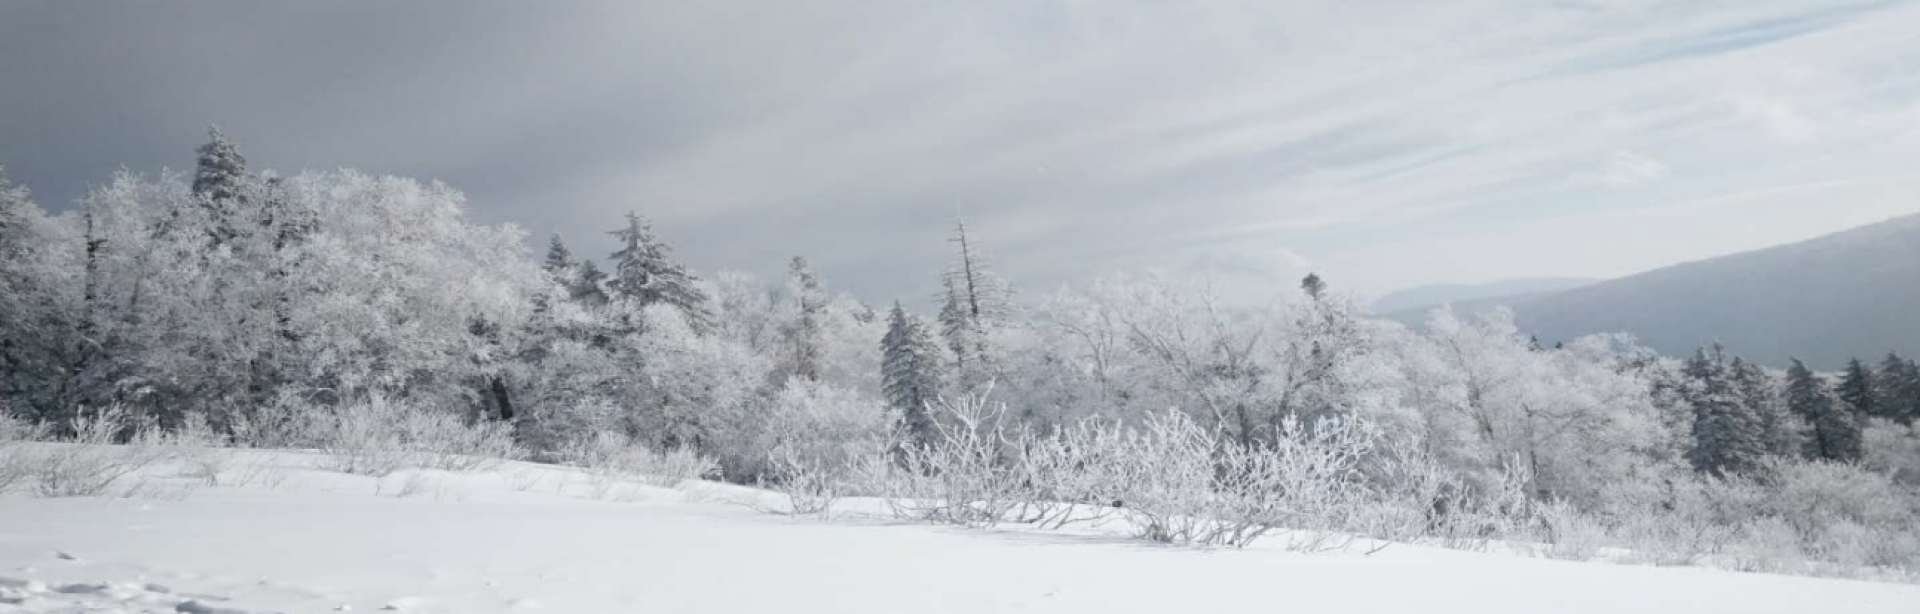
(526, 537)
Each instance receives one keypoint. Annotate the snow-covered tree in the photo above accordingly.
(910, 371)
(646, 274)
(1729, 436)
(803, 334)
(1857, 389)
(1835, 430)
(39, 302)
(220, 184)
(1897, 389)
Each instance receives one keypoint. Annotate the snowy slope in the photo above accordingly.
(530, 538)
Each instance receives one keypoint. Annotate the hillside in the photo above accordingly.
(538, 538)
(1848, 294)
(1425, 298)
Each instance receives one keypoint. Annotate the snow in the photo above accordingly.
(526, 538)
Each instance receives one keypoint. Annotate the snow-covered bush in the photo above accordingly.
(817, 436)
(609, 456)
(91, 460)
(1893, 449)
(963, 475)
(378, 436)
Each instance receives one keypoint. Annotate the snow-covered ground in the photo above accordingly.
(535, 538)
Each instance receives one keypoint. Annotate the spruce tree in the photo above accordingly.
(646, 273)
(1857, 389)
(560, 263)
(1779, 432)
(1728, 437)
(803, 334)
(1835, 431)
(1313, 285)
(220, 184)
(910, 372)
(1897, 389)
(589, 284)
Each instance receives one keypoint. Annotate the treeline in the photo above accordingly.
(277, 309)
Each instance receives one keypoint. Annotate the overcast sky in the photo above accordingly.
(1383, 143)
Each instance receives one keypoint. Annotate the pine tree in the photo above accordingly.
(589, 284)
(1728, 437)
(646, 273)
(1857, 389)
(1835, 431)
(1313, 286)
(910, 372)
(220, 184)
(560, 263)
(803, 334)
(1897, 389)
(1779, 430)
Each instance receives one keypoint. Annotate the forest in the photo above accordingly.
(366, 317)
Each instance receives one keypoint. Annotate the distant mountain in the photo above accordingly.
(1425, 298)
(1848, 294)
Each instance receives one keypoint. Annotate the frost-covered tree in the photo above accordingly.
(39, 299)
(1729, 436)
(803, 333)
(1782, 433)
(910, 372)
(646, 274)
(1897, 389)
(1835, 430)
(975, 301)
(560, 262)
(1857, 389)
(220, 184)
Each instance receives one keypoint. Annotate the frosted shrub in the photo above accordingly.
(91, 463)
(1892, 449)
(377, 437)
(1845, 514)
(286, 422)
(1064, 476)
(1465, 516)
(610, 456)
(816, 437)
(1570, 533)
(441, 440)
(1306, 482)
(364, 438)
(962, 476)
(16, 451)
(1160, 478)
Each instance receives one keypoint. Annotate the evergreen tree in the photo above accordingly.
(803, 334)
(1835, 431)
(589, 284)
(1857, 389)
(975, 299)
(1897, 389)
(910, 372)
(560, 262)
(646, 273)
(1313, 285)
(220, 184)
(1780, 432)
(1728, 435)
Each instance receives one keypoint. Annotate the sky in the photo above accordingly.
(1382, 143)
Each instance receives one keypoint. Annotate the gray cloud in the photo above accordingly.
(1385, 142)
